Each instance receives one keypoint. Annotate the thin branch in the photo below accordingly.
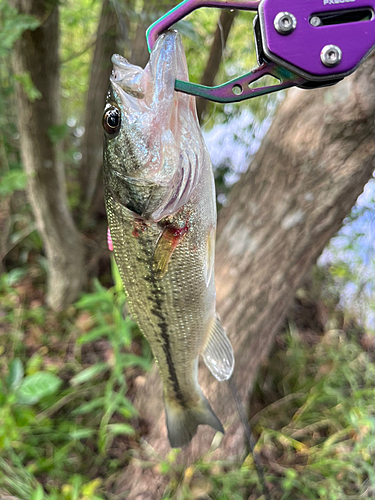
(80, 53)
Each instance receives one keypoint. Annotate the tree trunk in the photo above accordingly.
(216, 53)
(37, 54)
(92, 148)
(312, 165)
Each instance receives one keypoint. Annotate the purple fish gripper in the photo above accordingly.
(324, 41)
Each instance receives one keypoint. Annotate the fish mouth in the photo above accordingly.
(127, 77)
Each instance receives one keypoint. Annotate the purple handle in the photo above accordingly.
(301, 49)
(188, 6)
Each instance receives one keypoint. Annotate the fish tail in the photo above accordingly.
(182, 422)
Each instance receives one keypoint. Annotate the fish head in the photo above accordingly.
(153, 152)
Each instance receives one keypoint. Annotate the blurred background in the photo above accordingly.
(295, 272)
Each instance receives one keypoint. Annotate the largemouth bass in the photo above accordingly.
(160, 200)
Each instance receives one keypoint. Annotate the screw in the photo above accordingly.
(331, 55)
(285, 23)
(315, 21)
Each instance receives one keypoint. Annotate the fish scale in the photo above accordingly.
(161, 211)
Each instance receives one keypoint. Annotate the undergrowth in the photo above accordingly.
(68, 426)
(65, 416)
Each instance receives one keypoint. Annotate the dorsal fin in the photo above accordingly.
(218, 353)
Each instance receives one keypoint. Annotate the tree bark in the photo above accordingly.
(92, 148)
(216, 54)
(37, 54)
(312, 165)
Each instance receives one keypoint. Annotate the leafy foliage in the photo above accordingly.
(12, 25)
(61, 419)
(11, 181)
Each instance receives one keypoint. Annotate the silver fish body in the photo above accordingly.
(160, 201)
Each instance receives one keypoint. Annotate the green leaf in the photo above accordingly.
(15, 275)
(93, 300)
(58, 132)
(37, 386)
(38, 493)
(120, 429)
(34, 364)
(124, 330)
(88, 373)
(88, 407)
(81, 433)
(90, 488)
(98, 286)
(116, 276)
(164, 467)
(133, 360)
(127, 413)
(13, 24)
(15, 373)
(94, 334)
(14, 180)
(24, 79)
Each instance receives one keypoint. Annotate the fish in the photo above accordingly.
(160, 202)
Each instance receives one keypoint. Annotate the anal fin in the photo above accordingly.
(218, 353)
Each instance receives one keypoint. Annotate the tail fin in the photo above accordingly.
(182, 422)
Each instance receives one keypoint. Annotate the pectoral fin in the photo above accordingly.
(218, 353)
(170, 238)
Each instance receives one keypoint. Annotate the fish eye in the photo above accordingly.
(111, 120)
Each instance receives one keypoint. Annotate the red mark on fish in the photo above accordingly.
(109, 240)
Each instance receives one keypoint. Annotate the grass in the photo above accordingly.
(68, 426)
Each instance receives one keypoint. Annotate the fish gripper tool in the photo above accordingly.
(304, 43)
